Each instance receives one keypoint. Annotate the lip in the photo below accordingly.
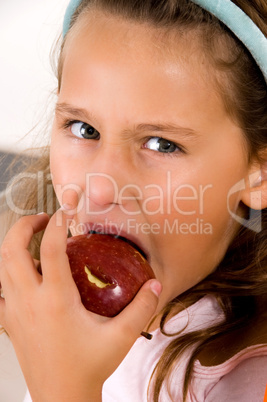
(116, 231)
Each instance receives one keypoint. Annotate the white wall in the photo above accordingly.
(28, 29)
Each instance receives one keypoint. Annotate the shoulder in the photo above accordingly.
(246, 382)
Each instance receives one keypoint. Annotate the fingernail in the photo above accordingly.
(156, 287)
(257, 182)
(67, 207)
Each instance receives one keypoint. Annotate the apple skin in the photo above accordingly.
(113, 261)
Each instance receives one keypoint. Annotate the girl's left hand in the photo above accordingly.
(65, 352)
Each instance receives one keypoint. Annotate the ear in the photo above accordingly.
(255, 193)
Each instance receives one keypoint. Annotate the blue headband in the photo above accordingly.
(228, 13)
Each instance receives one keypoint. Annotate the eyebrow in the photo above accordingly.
(79, 113)
(83, 114)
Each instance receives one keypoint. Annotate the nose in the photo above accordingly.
(102, 188)
(110, 182)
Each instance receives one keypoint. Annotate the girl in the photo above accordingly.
(159, 136)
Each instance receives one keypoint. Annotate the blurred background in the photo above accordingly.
(28, 28)
(28, 31)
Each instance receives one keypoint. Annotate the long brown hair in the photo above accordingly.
(240, 281)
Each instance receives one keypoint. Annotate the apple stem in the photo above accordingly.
(147, 335)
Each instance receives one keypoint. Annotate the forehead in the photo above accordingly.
(156, 70)
(138, 42)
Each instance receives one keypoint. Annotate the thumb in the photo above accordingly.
(134, 318)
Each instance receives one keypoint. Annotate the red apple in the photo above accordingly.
(107, 270)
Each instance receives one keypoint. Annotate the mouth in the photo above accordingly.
(123, 238)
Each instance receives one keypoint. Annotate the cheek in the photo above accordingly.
(187, 199)
(175, 194)
(195, 226)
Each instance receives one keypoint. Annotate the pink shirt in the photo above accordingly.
(241, 378)
(246, 372)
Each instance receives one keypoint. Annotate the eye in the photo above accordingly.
(161, 145)
(84, 130)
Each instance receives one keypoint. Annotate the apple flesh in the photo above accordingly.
(107, 270)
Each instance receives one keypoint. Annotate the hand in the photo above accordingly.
(65, 352)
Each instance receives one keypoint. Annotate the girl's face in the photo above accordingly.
(143, 139)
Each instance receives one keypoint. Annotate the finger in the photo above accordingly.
(19, 236)
(134, 318)
(2, 314)
(54, 259)
(2, 302)
(17, 261)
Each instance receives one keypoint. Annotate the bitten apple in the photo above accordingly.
(107, 270)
